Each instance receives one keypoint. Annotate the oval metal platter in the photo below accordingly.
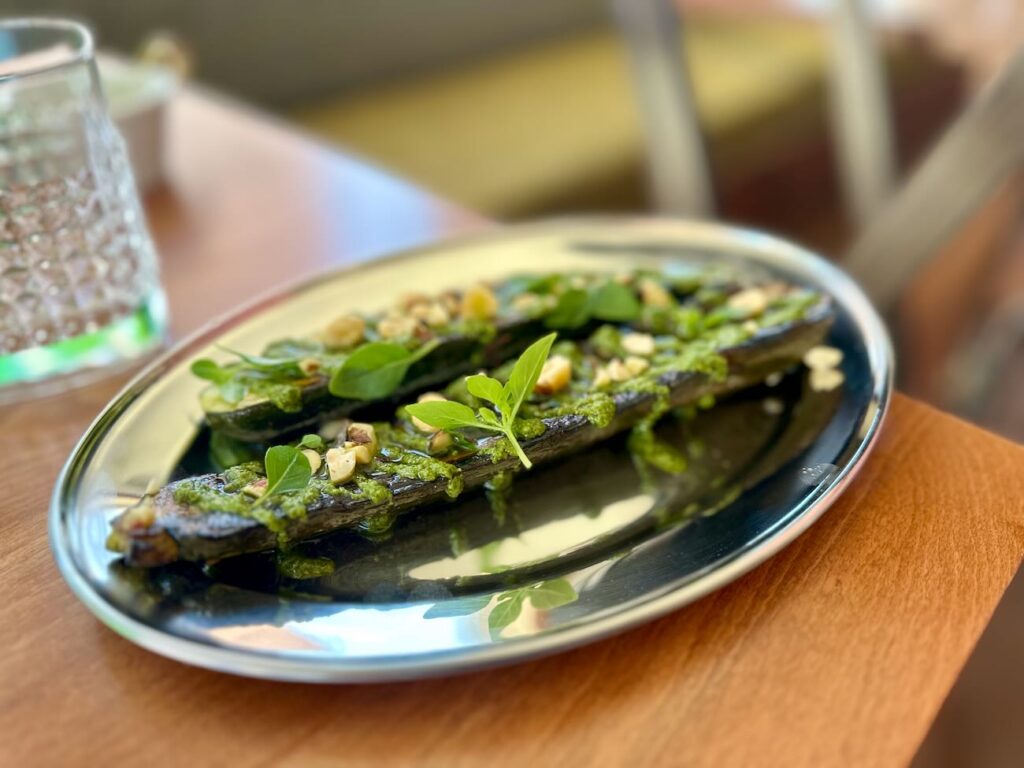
(585, 548)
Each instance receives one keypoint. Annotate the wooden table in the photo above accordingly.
(838, 651)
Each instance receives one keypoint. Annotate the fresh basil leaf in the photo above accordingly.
(487, 415)
(207, 369)
(571, 311)
(509, 606)
(464, 606)
(445, 414)
(487, 389)
(314, 442)
(272, 366)
(287, 470)
(551, 594)
(524, 375)
(614, 302)
(375, 370)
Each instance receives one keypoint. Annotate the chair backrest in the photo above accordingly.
(677, 160)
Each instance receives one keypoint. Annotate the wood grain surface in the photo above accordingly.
(838, 651)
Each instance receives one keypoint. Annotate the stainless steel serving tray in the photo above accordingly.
(586, 548)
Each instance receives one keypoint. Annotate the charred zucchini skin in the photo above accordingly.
(264, 421)
(183, 533)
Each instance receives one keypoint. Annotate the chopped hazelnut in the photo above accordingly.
(617, 370)
(345, 331)
(397, 327)
(309, 365)
(753, 301)
(361, 433)
(439, 442)
(427, 397)
(409, 300)
(638, 344)
(255, 488)
(653, 294)
(361, 452)
(636, 365)
(313, 458)
(436, 316)
(750, 326)
(341, 464)
(479, 303)
(601, 378)
(554, 376)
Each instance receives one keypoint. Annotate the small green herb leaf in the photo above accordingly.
(614, 302)
(287, 470)
(375, 370)
(487, 389)
(524, 375)
(488, 416)
(446, 414)
(278, 367)
(314, 442)
(551, 594)
(571, 311)
(207, 369)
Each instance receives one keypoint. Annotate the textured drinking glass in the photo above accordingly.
(79, 289)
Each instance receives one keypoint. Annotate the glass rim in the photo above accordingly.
(81, 52)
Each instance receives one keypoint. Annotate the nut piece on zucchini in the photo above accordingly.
(341, 464)
(478, 303)
(427, 397)
(638, 344)
(653, 294)
(439, 442)
(345, 331)
(554, 376)
(313, 458)
(361, 433)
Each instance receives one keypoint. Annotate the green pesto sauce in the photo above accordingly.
(527, 429)
(375, 491)
(498, 449)
(597, 407)
(297, 566)
(415, 466)
(196, 493)
(286, 397)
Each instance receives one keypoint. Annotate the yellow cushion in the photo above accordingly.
(556, 127)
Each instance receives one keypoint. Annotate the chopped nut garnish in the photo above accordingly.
(426, 397)
(345, 331)
(753, 301)
(601, 378)
(822, 357)
(638, 344)
(554, 376)
(256, 488)
(637, 365)
(313, 458)
(624, 278)
(331, 429)
(750, 326)
(341, 464)
(527, 303)
(361, 452)
(362, 433)
(309, 365)
(617, 370)
(439, 442)
(478, 303)
(653, 294)
(436, 316)
(409, 300)
(397, 327)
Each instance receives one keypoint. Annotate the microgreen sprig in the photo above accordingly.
(508, 398)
